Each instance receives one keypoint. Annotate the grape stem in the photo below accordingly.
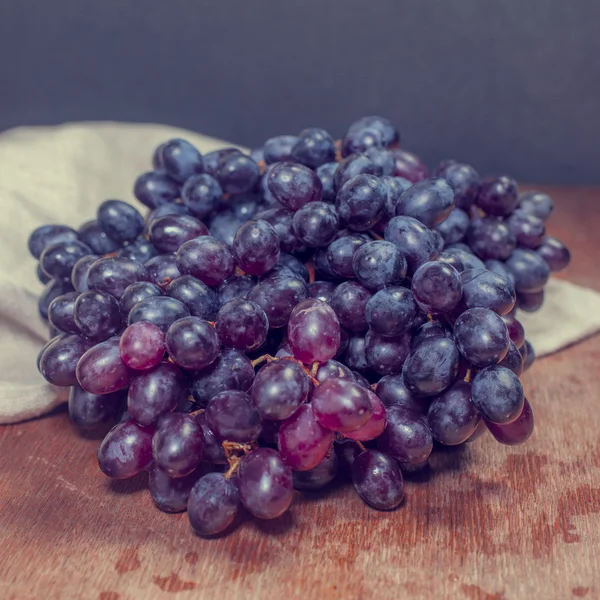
(468, 376)
(196, 412)
(310, 267)
(269, 359)
(360, 445)
(374, 235)
(234, 463)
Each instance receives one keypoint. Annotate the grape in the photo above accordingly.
(246, 205)
(454, 228)
(234, 288)
(207, 259)
(321, 290)
(392, 391)
(256, 247)
(120, 221)
(237, 174)
(136, 292)
(378, 480)
(555, 253)
(436, 287)
(391, 311)
(513, 360)
(60, 312)
(497, 394)
(101, 371)
(302, 442)
(431, 329)
(282, 221)
(93, 235)
(279, 389)
(352, 166)
(382, 158)
(536, 203)
(214, 158)
(141, 250)
(198, 298)
(294, 185)
(498, 267)
(42, 277)
(166, 210)
(467, 260)
(529, 270)
(233, 417)
(452, 416)
(341, 405)
(177, 444)
(126, 450)
(481, 336)
(386, 355)
(318, 477)
(355, 356)
(515, 330)
(409, 166)
(142, 346)
(464, 181)
(114, 275)
(406, 437)
(294, 264)
(202, 195)
(170, 232)
(349, 301)
(374, 427)
(48, 235)
(170, 494)
(53, 290)
(365, 139)
(379, 264)
(155, 392)
(192, 343)
(97, 315)
(314, 148)
(162, 269)
(213, 450)
(59, 360)
(180, 159)
(389, 133)
(340, 253)
(315, 224)
(155, 188)
(265, 484)
(530, 302)
(326, 174)
(160, 310)
(279, 148)
(528, 229)
(490, 238)
(485, 289)
(57, 260)
(213, 504)
(415, 241)
(498, 196)
(432, 366)
(242, 324)
(517, 432)
(360, 202)
(430, 201)
(528, 354)
(394, 187)
(89, 411)
(313, 331)
(333, 368)
(277, 296)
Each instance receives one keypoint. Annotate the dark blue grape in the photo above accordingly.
(238, 286)
(120, 221)
(409, 165)
(362, 140)
(555, 253)
(47, 235)
(386, 355)
(355, 356)
(206, 258)
(242, 324)
(392, 392)
(59, 360)
(528, 354)
(498, 394)
(529, 269)
(114, 275)
(53, 290)
(213, 504)
(436, 287)
(486, 289)
(198, 298)
(382, 158)
(516, 432)
(256, 247)
(379, 264)
(528, 229)
(237, 174)
(171, 494)
(536, 203)
(464, 181)
(391, 311)
(318, 477)
(498, 196)
(94, 236)
(224, 226)
(57, 260)
(415, 241)
(388, 132)
(321, 290)
(202, 195)
(162, 269)
(155, 188)
(294, 185)
(314, 148)
(60, 312)
(498, 267)
(213, 159)
(352, 166)
(97, 315)
(160, 310)
(378, 480)
(454, 227)
(430, 201)
(181, 160)
(513, 360)
(141, 250)
(170, 232)
(192, 343)
(282, 221)
(340, 253)
(349, 301)
(490, 238)
(166, 210)
(360, 202)
(326, 174)
(89, 411)
(316, 224)
(530, 302)
(279, 148)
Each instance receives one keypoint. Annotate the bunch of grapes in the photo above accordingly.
(281, 319)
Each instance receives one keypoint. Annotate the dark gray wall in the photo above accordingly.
(510, 86)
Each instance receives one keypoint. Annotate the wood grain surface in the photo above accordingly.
(486, 523)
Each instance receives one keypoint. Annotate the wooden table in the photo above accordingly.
(489, 523)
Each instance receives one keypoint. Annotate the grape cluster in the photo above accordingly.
(280, 319)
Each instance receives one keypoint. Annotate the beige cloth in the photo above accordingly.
(61, 174)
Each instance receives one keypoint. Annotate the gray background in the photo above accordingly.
(509, 86)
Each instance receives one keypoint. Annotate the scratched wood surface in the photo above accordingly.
(488, 522)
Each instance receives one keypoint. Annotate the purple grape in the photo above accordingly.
(177, 445)
(341, 405)
(436, 287)
(279, 148)
(135, 293)
(490, 238)
(406, 437)
(430, 329)
(415, 241)
(313, 331)
(498, 267)
(236, 287)
(89, 411)
(198, 298)
(497, 394)
(48, 235)
(355, 356)
(392, 392)
(57, 260)
(321, 290)
(529, 269)
(379, 264)
(528, 229)
(454, 228)
(168, 233)
(242, 324)
(517, 432)
(382, 158)
(326, 174)
(114, 275)
(213, 450)
(155, 393)
(555, 253)
(60, 312)
(391, 311)
(93, 235)
(97, 315)
(166, 210)
(101, 371)
(277, 296)
(432, 366)
(314, 148)
(349, 301)
(233, 417)
(352, 166)
(318, 477)
(530, 302)
(302, 442)
(160, 310)
(192, 343)
(53, 290)
(213, 504)
(59, 360)
(141, 250)
(333, 368)
(485, 289)
(536, 203)
(429, 201)
(498, 196)
(513, 360)
(126, 450)
(120, 221)
(374, 427)
(316, 224)
(142, 346)
(528, 354)
(162, 269)
(516, 331)
(265, 484)
(385, 127)
(171, 494)
(181, 160)
(378, 480)
(386, 355)
(207, 259)
(237, 174)
(360, 202)
(294, 185)
(213, 159)
(466, 260)
(256, 247)
(293, 264)
(464, 181)
(394, 186)
(409, 166)
(202, 195)
(282, 221)
(155, 188)
(340, 253)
